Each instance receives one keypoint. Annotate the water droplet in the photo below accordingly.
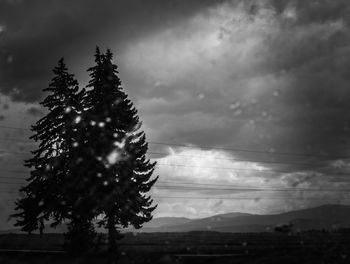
(93, 123)
(9, 59)
(113, 157)
(200, 96)
(2, 28)
(99, 175)
(271, 150)
(235, 105)
(238, 112)
(101, 124)
(105, 183)
(77, 119)
(68, 110)
(75, 144)
(276, 93)
(119, 144)
(108, 119)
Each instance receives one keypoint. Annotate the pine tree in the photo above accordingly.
(48, 195)
(115, 150)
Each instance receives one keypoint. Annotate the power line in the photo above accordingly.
(212, 185)
(14, 152)
(329, 174)
(17, 128)
(237, 169)
(15, 178)
(230, 198)
(15, 171)
(242, 160)
(11, 183)
(242, 187)
(190, 188)
(200, 156)
(191, 156)
(249, 150)
(228, 148)
(242, 198)
(16, 139)
(206, 187)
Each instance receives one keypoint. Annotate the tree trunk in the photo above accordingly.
(112, 234)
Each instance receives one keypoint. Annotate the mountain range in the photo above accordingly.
(323, 217)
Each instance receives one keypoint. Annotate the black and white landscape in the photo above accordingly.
(173, 116)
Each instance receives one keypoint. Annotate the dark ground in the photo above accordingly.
(193, 247)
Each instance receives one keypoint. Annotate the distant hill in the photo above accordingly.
(166, 221)
(322, 217)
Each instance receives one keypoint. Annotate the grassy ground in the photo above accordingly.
(308, 247)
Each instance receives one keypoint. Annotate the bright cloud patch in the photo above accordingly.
(198, 183)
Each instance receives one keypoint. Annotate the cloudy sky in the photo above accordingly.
(245, 103)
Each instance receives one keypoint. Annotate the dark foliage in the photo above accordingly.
(91, 161)
(44, 197)
(118, 171)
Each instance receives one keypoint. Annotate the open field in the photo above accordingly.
(192, 247)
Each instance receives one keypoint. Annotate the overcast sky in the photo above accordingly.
(268, 77)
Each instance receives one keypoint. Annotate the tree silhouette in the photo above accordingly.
(91, 160)
(115, 153)
(48, 195)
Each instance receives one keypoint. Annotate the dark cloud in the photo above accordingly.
(271, 76)
(292, 87)
(37, 33)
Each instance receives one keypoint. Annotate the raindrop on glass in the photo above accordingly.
(200, 96)
(238, 112)
(276, 93)
(235, 105)
(9, 59)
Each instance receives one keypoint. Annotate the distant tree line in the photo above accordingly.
(90, 165)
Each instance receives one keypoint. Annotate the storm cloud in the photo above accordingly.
(268, 76)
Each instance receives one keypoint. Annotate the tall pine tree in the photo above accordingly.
(115, 152)
(46, 196)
